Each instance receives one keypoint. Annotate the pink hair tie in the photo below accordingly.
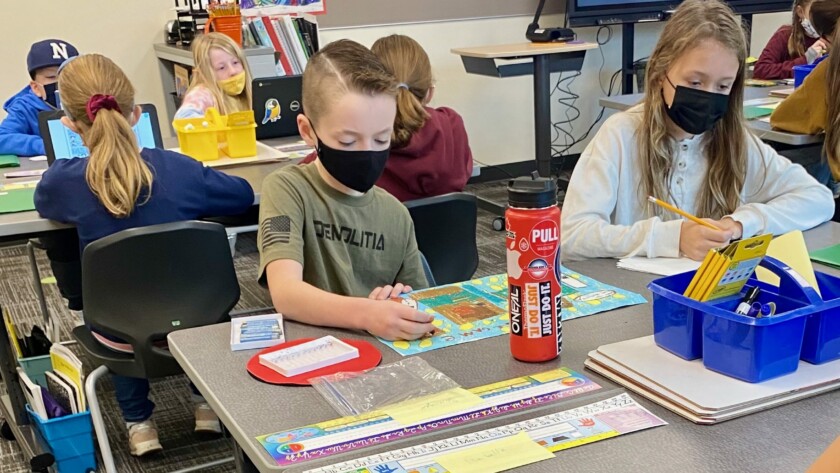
(98, 102)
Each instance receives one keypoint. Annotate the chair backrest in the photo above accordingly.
(142, 283)
(445, 228)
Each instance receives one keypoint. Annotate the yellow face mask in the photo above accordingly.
(234, 85)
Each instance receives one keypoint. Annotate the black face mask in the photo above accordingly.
(696, 111)
(50, 90)
(358, 170)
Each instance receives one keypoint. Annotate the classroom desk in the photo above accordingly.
(28, 223)
(762, 130)
(545, 59)
(784, 439)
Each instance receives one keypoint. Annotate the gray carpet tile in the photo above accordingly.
(173, 413)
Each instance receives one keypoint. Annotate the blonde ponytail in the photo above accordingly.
(407, 60)
(115, 172)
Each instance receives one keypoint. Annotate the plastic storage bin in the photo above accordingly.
(800, 72)
(822, 330)
(744, 347)
(198, 138)
(69, 439)
(241, 139)
(35, 367)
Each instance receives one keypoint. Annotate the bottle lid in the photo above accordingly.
(532, 192)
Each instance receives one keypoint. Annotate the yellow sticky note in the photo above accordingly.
(498, 455)
(790, 249)
(428, 407)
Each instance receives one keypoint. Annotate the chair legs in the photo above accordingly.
(232, 232)
(50, 328)
(97, 419)
(102, 433)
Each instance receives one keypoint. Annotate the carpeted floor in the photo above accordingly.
(173, 414)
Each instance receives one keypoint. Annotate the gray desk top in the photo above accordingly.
(787, 438)
(24, 223)
(762, 129)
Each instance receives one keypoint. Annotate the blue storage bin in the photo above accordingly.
(69, 439)
(677, 320)
(800, 72)
(743, 347)
(822, 330)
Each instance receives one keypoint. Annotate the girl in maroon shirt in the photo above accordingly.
(792, 45)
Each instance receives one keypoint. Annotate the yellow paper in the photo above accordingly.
(498, 455)
(436, 405)
(751, 59)
(790, 249)
(549, 376)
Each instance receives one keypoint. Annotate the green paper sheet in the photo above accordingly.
(752, 112)
(9, 161)
(17, 200)
(829, 256)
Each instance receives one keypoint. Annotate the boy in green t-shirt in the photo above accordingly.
(334, 248)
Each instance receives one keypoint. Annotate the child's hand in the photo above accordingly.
(395, 321)
(696, 240)
(730, 225)
(387, 292)
(816, 50)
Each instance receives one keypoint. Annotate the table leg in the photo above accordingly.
(542, 113)
(243, 463)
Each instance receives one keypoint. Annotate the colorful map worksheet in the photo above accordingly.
(477, 309)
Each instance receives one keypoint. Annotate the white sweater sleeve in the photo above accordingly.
(783, 196)
(587, 226)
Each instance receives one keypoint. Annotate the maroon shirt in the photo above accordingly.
(437, 160)
(775, 61)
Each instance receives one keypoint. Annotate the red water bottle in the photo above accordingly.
(532, 221)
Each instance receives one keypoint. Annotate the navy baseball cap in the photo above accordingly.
(49, 52)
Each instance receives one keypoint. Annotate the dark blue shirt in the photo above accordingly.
(182, 189)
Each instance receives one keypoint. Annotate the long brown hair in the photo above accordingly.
(409, 63)
(115, 172)
(725, 144)
(338, 68)
(205, 76)
(796, 41)
(826, 15)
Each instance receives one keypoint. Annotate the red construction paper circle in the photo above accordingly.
(369, 357)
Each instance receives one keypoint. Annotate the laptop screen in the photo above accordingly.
(67, 144)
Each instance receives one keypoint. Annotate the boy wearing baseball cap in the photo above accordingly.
(19, 133)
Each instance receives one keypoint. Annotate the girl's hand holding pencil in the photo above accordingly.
(698, 236)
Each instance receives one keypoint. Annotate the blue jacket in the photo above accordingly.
(19, 132)
(182, 189)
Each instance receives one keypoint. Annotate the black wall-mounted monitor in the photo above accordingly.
(607, 12)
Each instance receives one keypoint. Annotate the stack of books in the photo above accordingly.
(294, 40)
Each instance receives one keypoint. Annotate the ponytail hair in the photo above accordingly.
(409, 63)
(98, 97)
(826, 19)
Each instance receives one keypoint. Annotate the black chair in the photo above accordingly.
(142, 283)
(445, 229)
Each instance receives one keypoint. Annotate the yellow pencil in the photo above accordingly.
(685, 214)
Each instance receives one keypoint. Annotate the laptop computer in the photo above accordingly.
(276, 104)
(61, 143)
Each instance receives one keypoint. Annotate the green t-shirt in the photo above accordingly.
(347, 245)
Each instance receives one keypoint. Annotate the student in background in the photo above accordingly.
(20, 135)
(121, 186)
(430, 151)
(686, 144)
(221, 78)
(814, 106)
(19, 132)
(334, 247)
(792, 45)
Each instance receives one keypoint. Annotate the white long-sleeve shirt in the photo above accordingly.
(604, 213)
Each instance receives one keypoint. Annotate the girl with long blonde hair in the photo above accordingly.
(120, 186)
(686, 144)
(221, 78)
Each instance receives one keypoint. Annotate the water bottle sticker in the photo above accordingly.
(538, 268)
(545, 237)
(515, 309)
